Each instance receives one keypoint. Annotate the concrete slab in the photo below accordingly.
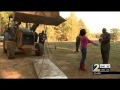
(46, 69)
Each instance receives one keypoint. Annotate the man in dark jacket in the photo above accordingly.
(105, 45)
(77, 43)
(42, 37)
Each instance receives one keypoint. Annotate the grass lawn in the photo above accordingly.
(68, 61)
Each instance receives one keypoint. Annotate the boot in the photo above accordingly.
(82, 67)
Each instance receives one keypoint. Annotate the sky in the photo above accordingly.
(97, 20)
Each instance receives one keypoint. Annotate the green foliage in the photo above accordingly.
(67, 30)
(95, 35)
(73, 26)
(50, 32)
(83, 26)
(4, 16)
(23, 25)
(115, 34)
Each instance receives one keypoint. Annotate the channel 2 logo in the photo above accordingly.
(96, 67)
(101, 67)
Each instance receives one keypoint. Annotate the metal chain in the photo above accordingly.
(53, 58)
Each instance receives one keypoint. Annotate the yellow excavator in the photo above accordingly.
(23, 38)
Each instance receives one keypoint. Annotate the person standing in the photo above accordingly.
(83, 44)
(77, 43)
(105, 45)
(42, 37)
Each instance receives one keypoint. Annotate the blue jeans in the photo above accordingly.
(84, 52)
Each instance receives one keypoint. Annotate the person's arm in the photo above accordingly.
(78, 38)
(89, 41)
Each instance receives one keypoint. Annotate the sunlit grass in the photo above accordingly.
(68, 61)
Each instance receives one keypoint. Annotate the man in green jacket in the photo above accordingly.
(105, 45)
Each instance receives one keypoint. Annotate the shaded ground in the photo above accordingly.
(20, 67)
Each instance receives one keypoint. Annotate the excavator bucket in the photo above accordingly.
(43, 17)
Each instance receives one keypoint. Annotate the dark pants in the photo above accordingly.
(42, 42)
(77, 47)
(84, 52)
(36, 37)
(105, 53)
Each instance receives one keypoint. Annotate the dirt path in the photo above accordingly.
(19, 68)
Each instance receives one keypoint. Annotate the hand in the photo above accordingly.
(100, 39)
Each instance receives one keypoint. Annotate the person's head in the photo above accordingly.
(82, 32)
(104, 30)
(43, 32)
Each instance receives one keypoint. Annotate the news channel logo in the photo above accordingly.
(98, 68)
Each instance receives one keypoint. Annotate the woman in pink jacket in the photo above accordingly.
(83, 45)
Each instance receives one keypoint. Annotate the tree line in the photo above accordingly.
(67, 31)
